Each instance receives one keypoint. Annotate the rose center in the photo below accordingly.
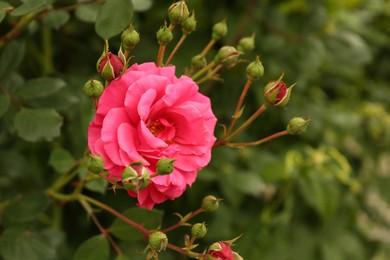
(156, 127)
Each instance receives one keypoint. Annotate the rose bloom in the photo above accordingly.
(220, 251)
(147, 114)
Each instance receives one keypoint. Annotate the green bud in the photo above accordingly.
(228, 56)
(255, 69)
(198, 62)
(164, 35)
(158, 241)
(276, 93)
(178, 12)
(219, 30)
(297, 125)
(93, 88)
(130, 38)
(199, 230)
(189, 25)
(95, 163)
(165, 166)
(246, 44)
(129, 178)
(144, 179)
(210, 203)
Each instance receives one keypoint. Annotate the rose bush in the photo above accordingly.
(148, 114)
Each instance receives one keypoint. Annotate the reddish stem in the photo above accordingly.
(181, 222)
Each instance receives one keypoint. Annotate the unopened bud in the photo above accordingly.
(95, 163)
(158, 240)
(246, 44)
(165, 166)
(189, 25)
(93, 88)
(178, 12)
(228, 56)
(199, 230)
(255, 69)
(144, 179)
(198, 62)
(210, 203)
(110, 66)
(220, 250)
(164, 35)
(130, 38)
(276, 93)
(129, 178)
(297, 125)
(219, 30)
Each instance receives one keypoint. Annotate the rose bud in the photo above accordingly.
(246, 44)
(297, 125)
(164, 35)
(189, 25)
(158, 241)
(110, 66)
(129, 178)
(210, 203)
(198, 62)
(95, 163)
(178, 12)
(130, 38)
(220, 250)
(165, 166)
(227, 55)
(276, 93)
(219, 30)
(254, 70)
(93, 88)
(198, 230)
(144, 179)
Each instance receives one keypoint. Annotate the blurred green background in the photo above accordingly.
(323, 195)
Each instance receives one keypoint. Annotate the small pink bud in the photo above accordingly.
(110, 66)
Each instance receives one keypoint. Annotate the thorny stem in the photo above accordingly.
(265, 139)
(178, 45)
(183, 221)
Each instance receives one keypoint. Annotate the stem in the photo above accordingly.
(160, 55)
(186, 252)
(208, 47)
(266, 139)
(64, 179)
(15, 31)
(238, 107)
(209, 75)
(115, 213)
(202, 71)
(178, 45)
(183, 221)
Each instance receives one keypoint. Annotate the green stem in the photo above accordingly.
(178, 45)
(266, 139)
(183, 221)
(204, 70)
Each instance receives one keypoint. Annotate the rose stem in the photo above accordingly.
(209, 75)
(265, 139)
(208, 47)
(180, 223)
(202, 71)
(183, 37)
(161, 50)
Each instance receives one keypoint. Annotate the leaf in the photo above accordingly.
(26, 207)
(38, 124)
(246, 182)
(150, 219)
(31, 6)
(55, 19)
(98, 185)
(142, 5)
(122, 257)
(95, 248)
(4, 104)
(113, 17)
(88, 13)
(40, 87)
(61, 160)
(3, 8)
(16, 244)
(11, 56)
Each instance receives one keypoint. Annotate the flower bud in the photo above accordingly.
(219, 30)
(130, 38)
(95, 163)
(246, 44)
(254, 70)
(297, 125)
(144, 179)
(178, 12)
(189, 25)
(129, 178)
(236, 256)
(198, 62)
(164, 35)
(165, 166)
(93, 88)
(198, 230)
(110, 66)
(210, 203)
(220, 250)
(227, 55)
(158, 241)
(276, 93)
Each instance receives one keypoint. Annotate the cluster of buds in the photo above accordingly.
(135, 177)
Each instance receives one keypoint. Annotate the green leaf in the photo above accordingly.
(38, 124)
(98, 185)
(3, 8)
(40, 87)
(113, 17)
(31, 6)
(95, 248)
(88, 13)
(4, 104)
(56, 19)
(26, 207)
(150, 219)
(61, 160)
(16, 244)
(11, 56)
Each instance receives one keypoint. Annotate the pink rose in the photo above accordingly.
(220, 251)
(148, 114)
